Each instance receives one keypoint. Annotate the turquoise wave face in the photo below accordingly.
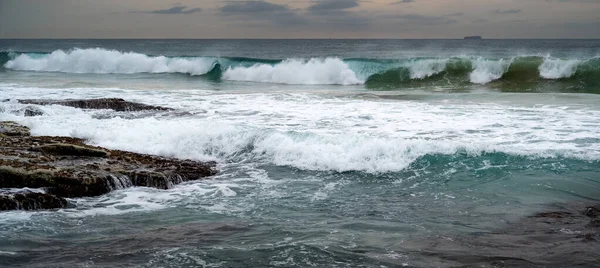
(519, 73)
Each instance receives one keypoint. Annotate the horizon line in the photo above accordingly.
(311, 38)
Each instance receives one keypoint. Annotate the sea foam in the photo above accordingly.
(425, 68)
(553, 68)
(328, 71)
(102, 61)
(485, 71)
(309, 132)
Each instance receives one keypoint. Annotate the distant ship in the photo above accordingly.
(474, 37)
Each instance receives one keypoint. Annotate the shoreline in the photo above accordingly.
(64, 167)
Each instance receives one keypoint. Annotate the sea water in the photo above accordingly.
(332, 153)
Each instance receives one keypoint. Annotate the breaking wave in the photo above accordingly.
(530, 72)
(485, 71)
(101, 61)
(558, 68)
(329, 71)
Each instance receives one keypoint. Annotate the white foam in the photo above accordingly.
(328, 71)
(321, 133)
(119, 202)
(304, 131)
(553, 68)
(210, 195)
(485, 71)
(22, 190)
(102, 61)
(17, 216)
(425, 68)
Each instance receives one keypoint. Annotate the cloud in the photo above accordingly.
(253, 7)
(423, 20)
(332, 5)
(403, 2)
(175, 10)
(262, 11)
(507, 11)
(456, 14)
(326, 15)
(574, 1)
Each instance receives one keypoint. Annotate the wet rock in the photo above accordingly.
(588, 237)
(10, 128)
(28, 200)
(67, 167)
(30, 111)
(72, 150)
(105, 103)
(555, 238)
(553, 215)
(592, 211)
(594, 224)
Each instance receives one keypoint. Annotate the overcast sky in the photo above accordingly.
(299, 18)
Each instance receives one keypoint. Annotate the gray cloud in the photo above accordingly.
(175, 10)
(332, 5)
(507, 11)
(575, 1)
(326, 15)
(263, 12)
(294, 19)
(424, 20)
(253, 7)
(456, 14)
(403, 2)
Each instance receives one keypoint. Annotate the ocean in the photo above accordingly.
(331, 153)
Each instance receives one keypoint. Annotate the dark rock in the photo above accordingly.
(10, 128)
(588, 237)
(592, 211)
(73, 150)
(67, 167)
(594, 224)
(28, 200)
(555, 238)
(107, 103)
(552, 215)
(31, 111)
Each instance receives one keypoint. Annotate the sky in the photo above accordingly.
(299, 18)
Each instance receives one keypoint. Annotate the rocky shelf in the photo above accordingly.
(104, 103)
(66, 167)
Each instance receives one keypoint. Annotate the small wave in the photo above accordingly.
(517, 73)
(426, 68)
(558, 68)
(336, 134)
(485, 71)
(102, 61)
(328, 71)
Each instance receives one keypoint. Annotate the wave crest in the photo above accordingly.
(485, 71)
(101, 61)
(328, 71)
(522, 73)
(426, 68)
(558, 68)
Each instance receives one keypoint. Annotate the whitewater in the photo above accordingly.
(298, 71)
(316, 132)
(331, 153)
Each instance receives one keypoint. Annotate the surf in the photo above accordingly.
(513, 74)
(102, 61)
